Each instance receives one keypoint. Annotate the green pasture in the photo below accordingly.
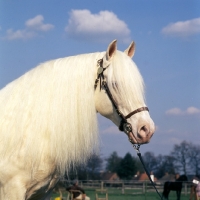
(115, 194)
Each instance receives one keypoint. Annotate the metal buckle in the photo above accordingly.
(137, 148)
(127, 128)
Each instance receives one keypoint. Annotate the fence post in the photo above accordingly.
(145, 190)
(185, 189)
(122, 187)
(101, 185)
(143, 187)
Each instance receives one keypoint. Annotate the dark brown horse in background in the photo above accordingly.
(175, 186)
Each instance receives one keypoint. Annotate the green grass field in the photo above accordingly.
(116, 195)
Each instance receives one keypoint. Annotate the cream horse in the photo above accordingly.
(48, 118)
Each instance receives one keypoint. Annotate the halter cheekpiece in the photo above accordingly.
(124, 125)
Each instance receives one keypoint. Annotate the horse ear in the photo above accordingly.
(130, 51)
(112, 48)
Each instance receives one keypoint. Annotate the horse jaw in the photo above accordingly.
(104, 106)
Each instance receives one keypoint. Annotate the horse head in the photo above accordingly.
(119, 94)
(182, 178)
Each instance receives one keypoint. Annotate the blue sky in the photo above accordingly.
(167, 37)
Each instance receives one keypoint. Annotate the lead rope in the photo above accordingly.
(137, 148)
(124, 126)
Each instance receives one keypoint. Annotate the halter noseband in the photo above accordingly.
(124, 125)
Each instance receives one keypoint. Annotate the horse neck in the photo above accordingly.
(181, 179)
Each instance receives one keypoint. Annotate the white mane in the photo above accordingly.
(125, 81)
(51, 108)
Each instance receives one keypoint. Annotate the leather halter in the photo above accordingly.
(124, 125)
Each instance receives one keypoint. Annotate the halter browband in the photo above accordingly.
(124, 125)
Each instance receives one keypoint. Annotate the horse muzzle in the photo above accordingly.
(143, 135)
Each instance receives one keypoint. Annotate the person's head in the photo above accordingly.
(75, 182)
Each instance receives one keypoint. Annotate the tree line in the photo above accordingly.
(184, 159)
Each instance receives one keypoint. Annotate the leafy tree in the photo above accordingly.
(89, 170)
(77, 172)
(138, 165)
(94, 166)
(113, 162)
(127, 168)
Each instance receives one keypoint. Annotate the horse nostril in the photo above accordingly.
(143, 131)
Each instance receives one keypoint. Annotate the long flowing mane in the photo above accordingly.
(48, 120)
(51, 108)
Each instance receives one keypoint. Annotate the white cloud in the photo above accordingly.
(19, 34)
(192, 110)
(183, 28)
(103, 26)
(36, 23)
(174, 111)
(189, 111)
(33, 27)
